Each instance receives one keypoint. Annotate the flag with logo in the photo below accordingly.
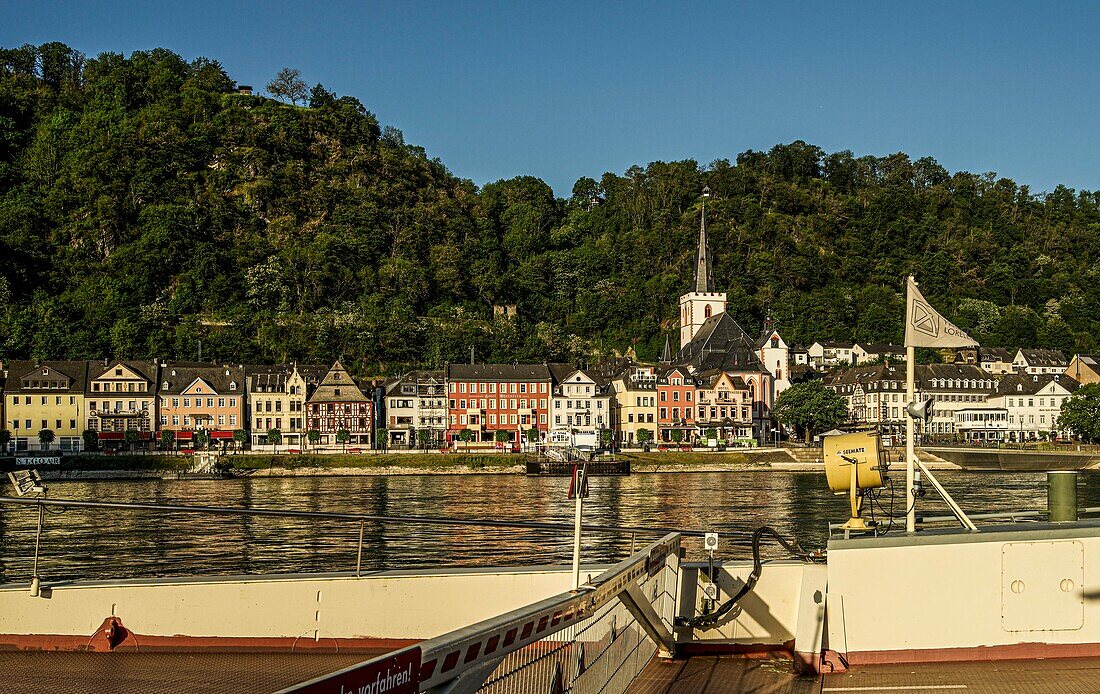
(925, 327)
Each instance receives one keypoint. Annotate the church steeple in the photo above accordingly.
(704, 280)
(666, 353)
(702, 302)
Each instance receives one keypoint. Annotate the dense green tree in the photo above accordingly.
(1080, 413)
(45, 438)
(145, 206)
(811, 407)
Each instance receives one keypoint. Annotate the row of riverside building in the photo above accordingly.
(720, 384)
(168, 403)
(984, 395)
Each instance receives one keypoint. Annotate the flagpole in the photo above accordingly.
(910, 428)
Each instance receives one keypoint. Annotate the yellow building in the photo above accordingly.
(634, 403)
(45, 396)
(121, 397)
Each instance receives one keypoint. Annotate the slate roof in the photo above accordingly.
(996, 354)
(74, 373)
(272, 378)
(1044, 357)
(927, 372)
(720, 344)
(498, 372)
(412, 377)
(881, 348)
(1030, 384)
(179, 375)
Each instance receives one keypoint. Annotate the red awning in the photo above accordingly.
(185, 435)
(221, 434)
(111, 436)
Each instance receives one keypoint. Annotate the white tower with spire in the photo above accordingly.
(702, 303)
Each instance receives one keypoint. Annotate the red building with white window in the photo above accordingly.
(676, 404)
(487, 398)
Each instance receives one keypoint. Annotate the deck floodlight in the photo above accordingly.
(854, 462)
(920, 409)
(27, 482)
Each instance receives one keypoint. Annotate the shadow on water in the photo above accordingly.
(97, 544)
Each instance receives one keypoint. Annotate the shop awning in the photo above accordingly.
(185, 435)
(111, 436)
(221, 434)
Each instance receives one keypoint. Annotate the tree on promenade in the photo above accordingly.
(1080, 413)
(810, 407)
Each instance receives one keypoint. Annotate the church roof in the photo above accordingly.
(720, 344)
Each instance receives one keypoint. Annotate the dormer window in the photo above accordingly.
(45, 371)
(232, 385)
(164, 386)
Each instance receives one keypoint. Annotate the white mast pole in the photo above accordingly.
(910, 429)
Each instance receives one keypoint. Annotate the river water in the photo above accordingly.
(100, 544)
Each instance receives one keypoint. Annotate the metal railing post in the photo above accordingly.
(36, 582)
(359, 554)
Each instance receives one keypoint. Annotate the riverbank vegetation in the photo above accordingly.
(148, 208)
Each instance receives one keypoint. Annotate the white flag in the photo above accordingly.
(925, 327)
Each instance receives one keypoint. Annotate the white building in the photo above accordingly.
(982, 423)
(581, 402)
(775, 355)
(276, 400)
(1039, 361)
(415, 403)
(868, 352)
(824, 355)
(1033, 403)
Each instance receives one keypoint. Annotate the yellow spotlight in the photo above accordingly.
(854, 462)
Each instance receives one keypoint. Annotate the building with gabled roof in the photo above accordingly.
(416, 409)
(580, 404)
(49, 396)
(1084, 368)
(196, 397)
(1033, 403)
(339, 405)
(1040, 361)
(121, 397)
(277, 395)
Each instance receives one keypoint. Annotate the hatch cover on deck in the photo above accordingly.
(1041, 586)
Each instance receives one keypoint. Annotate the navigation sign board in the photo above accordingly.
(394, 673)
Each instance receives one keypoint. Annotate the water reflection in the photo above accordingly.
(91, 543)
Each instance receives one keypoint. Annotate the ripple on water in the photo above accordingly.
(98, 544)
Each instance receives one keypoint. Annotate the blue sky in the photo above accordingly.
(563, 90)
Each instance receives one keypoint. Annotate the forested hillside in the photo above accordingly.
(146, 207)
